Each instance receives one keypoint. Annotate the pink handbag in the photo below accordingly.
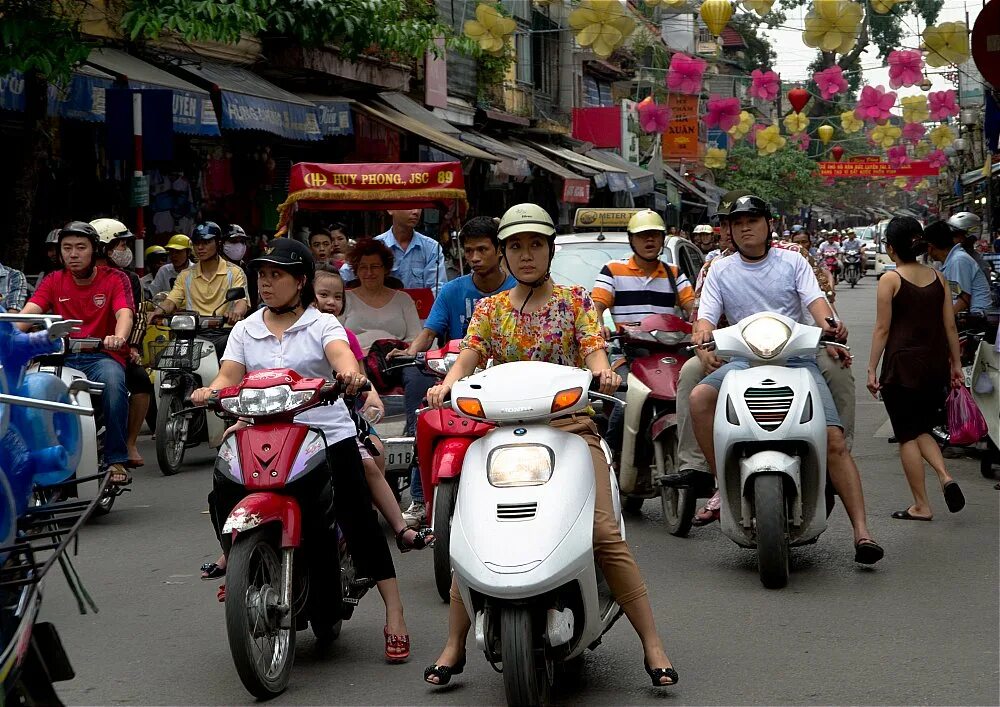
(966, 424)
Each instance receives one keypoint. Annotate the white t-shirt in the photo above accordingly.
(397, 319)
(302, 348)
(782, 282)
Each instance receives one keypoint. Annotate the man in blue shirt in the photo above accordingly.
(449, 320)
(418, 259)
(970, 290)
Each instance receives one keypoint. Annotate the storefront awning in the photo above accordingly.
(676, 176)
(447, 143)
(193, 110)
(976, 175)
(335, 118)
(643, 179)
(513, 163)
(576, 188)
(249, 102)
(81, 99)
(407, 106)
(614, 177)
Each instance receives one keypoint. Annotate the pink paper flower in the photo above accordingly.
(801, 140)
(913, 132)
(723, 113)
(937, 159)
(897, 156)
(685, 74)
(653, 118)
(942, 104)
(764, 84)
(874, 103)
(912, 182)
(905, 68)
(828, 181)
(830, 82)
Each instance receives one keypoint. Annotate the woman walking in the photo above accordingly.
(915, 328)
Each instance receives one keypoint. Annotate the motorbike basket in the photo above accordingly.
(176, 355)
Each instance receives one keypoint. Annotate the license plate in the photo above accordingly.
(967, 370)
(398, 457)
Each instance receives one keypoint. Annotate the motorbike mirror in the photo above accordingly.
(235, 293)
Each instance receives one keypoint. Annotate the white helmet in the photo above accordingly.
(525, 218)
(109, 229)
(965, 221)
(703, 228)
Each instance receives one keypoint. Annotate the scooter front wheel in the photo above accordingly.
(445, 496)
(170, 442)
(771, 517)
(678, 509)
(527, 671)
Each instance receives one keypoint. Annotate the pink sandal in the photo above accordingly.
(710, 513)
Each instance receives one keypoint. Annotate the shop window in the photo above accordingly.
(545, 53)
(522, 46)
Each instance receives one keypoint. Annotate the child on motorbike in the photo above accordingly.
(540, 321)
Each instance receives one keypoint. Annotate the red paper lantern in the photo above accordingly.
(837, 151)
(798, 97)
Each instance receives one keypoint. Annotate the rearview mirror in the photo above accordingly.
(235, 293)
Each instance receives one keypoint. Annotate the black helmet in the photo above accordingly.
(207, 231)
(728, 200)
(287, 254)
(750, 204)
(80, 228)
(236, 231)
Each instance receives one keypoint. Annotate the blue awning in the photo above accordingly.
(194, 113)
(249, 102)
(335, 118)
(81, 99)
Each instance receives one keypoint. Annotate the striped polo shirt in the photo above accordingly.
(631, 295)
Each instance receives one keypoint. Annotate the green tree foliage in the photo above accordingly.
(41, 38)
(785, 179)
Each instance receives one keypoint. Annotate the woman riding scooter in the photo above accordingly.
(540, 321)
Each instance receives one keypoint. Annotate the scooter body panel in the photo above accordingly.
(261, 508)
(988, 400)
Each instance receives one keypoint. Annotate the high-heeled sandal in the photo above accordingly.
(657, 674)
(443, 672)
(419, 542)
(397, 648)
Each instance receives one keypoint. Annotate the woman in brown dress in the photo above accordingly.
(915, 328)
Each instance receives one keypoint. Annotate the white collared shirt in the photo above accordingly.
(303, 349)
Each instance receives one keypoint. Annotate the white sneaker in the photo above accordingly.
(415, 515)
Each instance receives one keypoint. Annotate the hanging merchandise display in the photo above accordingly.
(601, 25)
(490, 29)
(716, 14)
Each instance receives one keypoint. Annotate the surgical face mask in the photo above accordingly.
(235, 251)
(122, 258)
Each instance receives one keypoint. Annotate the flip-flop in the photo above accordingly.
(211, 570)
(135, 463)
(954, 497)
(867, 551)
(906, 515)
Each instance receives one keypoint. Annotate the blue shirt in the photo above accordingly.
(964, 275)
(452, 309)
(420, 265)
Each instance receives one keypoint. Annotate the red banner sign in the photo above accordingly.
(428, 178)
(875, 170)
(681, 140)
(576, 191)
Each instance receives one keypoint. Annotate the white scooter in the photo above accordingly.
(770, 441)
(522, 532)
(985, 386)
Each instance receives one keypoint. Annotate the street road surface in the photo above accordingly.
(921, 627)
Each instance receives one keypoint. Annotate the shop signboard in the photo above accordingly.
(576, 191)
(359, 179)
(139, 192)
(81, 99)
(289, 120)
(875, 170)
(680, 141)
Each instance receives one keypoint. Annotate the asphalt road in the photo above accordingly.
(919, 628)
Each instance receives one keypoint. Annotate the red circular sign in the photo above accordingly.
(986, 43)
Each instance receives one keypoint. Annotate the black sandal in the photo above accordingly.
(443, 672)
(657, 674)
(419, 542)
(212, 570)
(867, 551)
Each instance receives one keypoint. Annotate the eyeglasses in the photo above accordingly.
(370, 268)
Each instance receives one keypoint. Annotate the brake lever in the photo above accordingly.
(61, 329)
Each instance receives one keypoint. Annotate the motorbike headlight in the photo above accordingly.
(441, 366)
(260, 402)
(766, 336)
(520, 465)
(183, 322)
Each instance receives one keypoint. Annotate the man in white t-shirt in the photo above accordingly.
(759, 278)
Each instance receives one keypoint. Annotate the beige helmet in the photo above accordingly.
(179, 242)
(526, 218)
(109, 229)
(646, 220)
(703, 228)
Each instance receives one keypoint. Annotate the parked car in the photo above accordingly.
(866, 234)
(883, 263)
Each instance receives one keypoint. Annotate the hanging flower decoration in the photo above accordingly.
(941, 137)
(833, 25)
(490, 28)
(850, 122)
(946, 43)
(905, 68)
(885, 135)
(723, 113)
(897, 156)
(764, 85)
(601, 25)
(769, 140)
(914, 132)
(883, 7)
(653, 118)
(874, 103)
(742, 128)
(801, 141)
(938, 159)
(795, 123)
(942, 104)
(761, 7)
(922, 149)
(915, 109)
(899, 182)
(715, 158)
(685, 74)
(830, 82)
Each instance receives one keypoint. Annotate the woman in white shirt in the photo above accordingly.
(375, 311)
(288, 333)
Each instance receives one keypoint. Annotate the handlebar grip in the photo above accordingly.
(595, 386)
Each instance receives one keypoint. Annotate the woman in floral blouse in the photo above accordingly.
(541, 321)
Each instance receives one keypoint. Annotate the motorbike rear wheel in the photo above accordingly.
(678, 509)
(772, 530)
(263, 652)
(169, 444)
(445, 496)
(527, 670)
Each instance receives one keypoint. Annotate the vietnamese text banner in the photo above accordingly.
(289, 120)
(876, 170)
(425, 177)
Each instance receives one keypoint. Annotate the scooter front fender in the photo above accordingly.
(258, 509)
(635, 399)
(449, 456)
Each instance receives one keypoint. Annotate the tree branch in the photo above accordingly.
(847, 59)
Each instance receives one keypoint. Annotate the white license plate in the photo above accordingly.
(398, 458)
(967, 370)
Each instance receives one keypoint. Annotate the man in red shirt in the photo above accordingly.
(100, 297)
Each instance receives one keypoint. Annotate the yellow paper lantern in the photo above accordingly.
(915, 109)
(883, 7)
(769, 140)
(601, 25)
(832, 25)
(850, 123)
(715, 14)
(715, 158)
(946, 43)
(796, 123)
(742, 128)
(885, 135)
(490, 28)
(825, 133)
(761, 7)
(941, 137)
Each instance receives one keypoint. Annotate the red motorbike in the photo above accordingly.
(288, 565)
(832, 263)
(442, 440)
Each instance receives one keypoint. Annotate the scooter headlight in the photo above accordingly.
(183, 322)
(520, 465)
(259, 402)
(441, 366)
(766, 336)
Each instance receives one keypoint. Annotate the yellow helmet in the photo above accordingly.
(526, 218)
(109, 229)
(179, 242)
(646, 220)
(155, 250)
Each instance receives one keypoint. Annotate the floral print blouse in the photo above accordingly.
(565, 330)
